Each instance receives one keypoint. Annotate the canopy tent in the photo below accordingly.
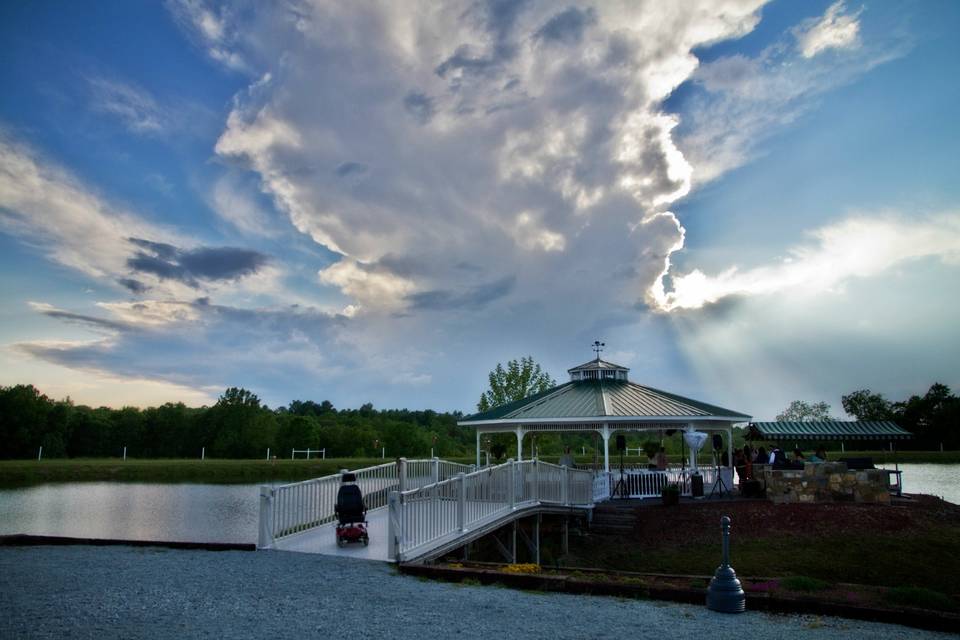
(828, 430)
(599, 398)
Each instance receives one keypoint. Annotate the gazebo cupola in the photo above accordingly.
(598, 370)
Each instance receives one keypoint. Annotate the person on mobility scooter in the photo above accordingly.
(351, 512)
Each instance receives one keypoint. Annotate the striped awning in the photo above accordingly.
(828, 430)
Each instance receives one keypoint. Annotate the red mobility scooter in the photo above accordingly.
(351, 513)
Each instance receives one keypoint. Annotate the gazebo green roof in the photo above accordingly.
(598, 399)
(829, 430)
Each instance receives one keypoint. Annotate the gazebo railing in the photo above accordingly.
(647, 483)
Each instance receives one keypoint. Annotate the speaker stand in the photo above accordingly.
(718, 483)
(621, 487)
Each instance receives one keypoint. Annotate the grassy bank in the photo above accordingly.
(31, 472)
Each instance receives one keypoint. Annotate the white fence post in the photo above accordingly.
(265, 537)
(565, 485)
(40, 453)
(203, 453)
(124, 453)
(536, 480)
(402, 474)
(461, 501)
(268, 453)
(394, 529)
(435, 470)
(513, 483)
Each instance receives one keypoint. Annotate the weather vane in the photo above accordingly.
(598, 347)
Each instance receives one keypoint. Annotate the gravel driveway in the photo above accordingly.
(124, 592)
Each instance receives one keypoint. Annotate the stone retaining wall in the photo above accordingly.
(827, 482)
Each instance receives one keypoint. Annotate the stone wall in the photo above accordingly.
(827, 482)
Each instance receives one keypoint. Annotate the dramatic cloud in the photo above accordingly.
(517, 137)
(835, 30)
(858, 247)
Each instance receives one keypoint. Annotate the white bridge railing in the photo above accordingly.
(643, 483)
(299, 506)
(428, 516)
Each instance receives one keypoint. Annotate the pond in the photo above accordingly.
(227, 513)
(941, 480)
(133, 511)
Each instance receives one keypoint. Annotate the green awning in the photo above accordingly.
(828, 430)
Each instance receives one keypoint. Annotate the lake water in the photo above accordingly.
(134, 511)
(227, 513)
(941, 480)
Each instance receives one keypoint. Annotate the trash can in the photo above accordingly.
(696, 485)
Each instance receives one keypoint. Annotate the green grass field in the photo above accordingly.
(31, 472)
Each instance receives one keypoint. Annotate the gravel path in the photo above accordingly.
(124, 592)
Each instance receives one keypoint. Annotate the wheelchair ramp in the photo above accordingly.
(323, 540)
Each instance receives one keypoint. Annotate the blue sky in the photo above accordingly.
(750, 203)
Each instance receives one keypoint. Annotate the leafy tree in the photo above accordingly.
(520, 379)
(297, 432)
(23, 419)
(310, 408)
(865, 405)
(800, 411)
(933, 418)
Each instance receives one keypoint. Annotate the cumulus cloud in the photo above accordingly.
(836, 29)
(857, 247)
(509, 136)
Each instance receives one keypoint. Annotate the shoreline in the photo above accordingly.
(25, 473)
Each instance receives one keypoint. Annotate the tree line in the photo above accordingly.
(237, 426)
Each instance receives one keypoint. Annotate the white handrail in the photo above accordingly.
(447, 508)
(298, 506)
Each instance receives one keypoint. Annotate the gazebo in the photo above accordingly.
(600, 398)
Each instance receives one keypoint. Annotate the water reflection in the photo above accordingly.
(133, 511)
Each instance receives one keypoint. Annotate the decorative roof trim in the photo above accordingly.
(601, 420)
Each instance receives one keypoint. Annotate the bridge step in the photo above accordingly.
(614, 518)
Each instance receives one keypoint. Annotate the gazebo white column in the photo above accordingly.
(605, 434)
(519, 444)
(478, 448)
(730, 449)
